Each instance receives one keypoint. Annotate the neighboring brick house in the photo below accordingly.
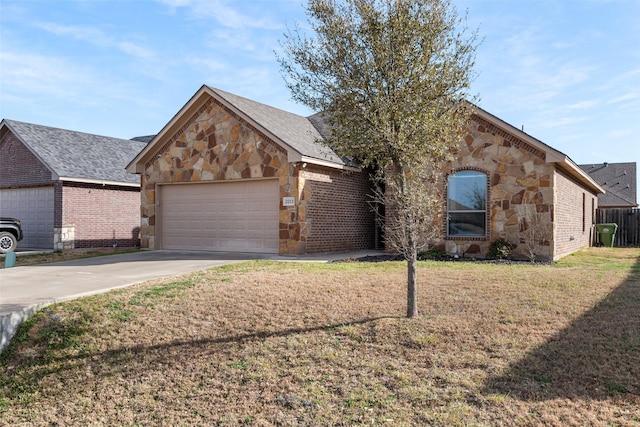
(228, 173)
(69, 189)
(619, 182)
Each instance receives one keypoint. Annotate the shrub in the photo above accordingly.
(499, 249)
(431, 254)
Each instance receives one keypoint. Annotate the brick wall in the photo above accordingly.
(329, 213)
(573, 222)
(101, 215)
(337, 213)
(19, 167)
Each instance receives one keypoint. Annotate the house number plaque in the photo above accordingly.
(288, 201)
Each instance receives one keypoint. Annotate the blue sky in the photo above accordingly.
(566, 70)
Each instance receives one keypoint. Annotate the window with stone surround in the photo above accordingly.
(467, 204)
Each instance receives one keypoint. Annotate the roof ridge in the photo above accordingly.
(77, 155)
(10, 121)
(252, 101)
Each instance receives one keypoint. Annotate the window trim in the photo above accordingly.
(445, 225)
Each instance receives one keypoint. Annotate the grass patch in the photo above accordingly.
(66, 255)
(273, 343)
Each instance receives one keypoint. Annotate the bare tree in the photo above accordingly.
(391, 76)
(534, 230)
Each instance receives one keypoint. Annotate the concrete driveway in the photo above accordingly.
(22, 287)
(25, 290)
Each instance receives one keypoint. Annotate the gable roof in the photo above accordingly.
(302, 136)
(296, 134)
(618, 179)
(551, 155)
(146, 138)
(77, 156)
(296, 131)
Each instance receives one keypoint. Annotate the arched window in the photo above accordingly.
(467, 204)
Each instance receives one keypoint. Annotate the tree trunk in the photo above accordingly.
(412, 285)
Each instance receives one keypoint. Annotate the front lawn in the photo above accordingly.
(273, 343)
(24, 259)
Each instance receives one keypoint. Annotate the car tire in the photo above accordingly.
(8, 242)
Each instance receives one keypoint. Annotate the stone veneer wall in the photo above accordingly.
(216, 145)
(64, 238)
(520, 182)
(213, 145)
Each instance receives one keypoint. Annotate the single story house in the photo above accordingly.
(231, 174)
(69, 189)
(619, 182)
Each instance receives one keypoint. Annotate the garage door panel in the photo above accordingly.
(236, 217)
(35, 208)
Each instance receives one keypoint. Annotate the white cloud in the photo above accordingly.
(225, 14)
(583, 105)
(46, 75)
(97, 37)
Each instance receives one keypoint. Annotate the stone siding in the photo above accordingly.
(64, 238)
(520, 183)
(216, 145)
(213, 145)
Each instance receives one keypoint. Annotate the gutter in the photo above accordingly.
(99, 182)
(577, 172)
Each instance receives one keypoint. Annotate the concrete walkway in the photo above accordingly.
(25, 290)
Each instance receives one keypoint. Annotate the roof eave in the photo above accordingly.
(551, 154)
(327, 163)
(4, 123)
(293, 155)
(99, 181)
(570, 167)
(137, 165)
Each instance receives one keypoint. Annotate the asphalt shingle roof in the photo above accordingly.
(619, 181)
(146, 138)
(79, 155)
(296, 131)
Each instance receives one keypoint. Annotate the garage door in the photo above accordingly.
(230, 216)
(34, 207)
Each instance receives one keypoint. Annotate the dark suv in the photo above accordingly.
(10, 234)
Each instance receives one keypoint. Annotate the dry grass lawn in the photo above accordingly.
(66, 255)
(267, 343)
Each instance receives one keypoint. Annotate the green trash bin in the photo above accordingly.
(607, 233)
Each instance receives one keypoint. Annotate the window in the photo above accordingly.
(467, 204)
(584, 208)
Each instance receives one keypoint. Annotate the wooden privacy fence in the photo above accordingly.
(628, 220)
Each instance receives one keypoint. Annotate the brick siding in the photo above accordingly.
(573, 225)
(19, 167)
(339, 214)
(101, 215)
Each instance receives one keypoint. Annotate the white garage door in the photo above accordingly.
(229, 216)
(34, 207)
